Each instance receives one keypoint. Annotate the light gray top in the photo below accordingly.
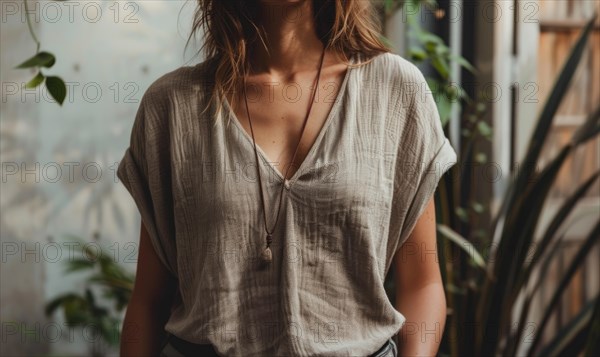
(352, 203)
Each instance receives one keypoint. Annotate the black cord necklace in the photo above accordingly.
(266, 255)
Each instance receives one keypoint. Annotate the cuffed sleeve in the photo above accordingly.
(429, 154)
(145, 172)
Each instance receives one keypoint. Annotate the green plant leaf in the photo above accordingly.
(463, 62)
(36, 81)
(430, 39)
(417, 54)
(477, 207)
(430, 4)
(106, 329)
(409, 8)
(444, 106)
(79, 264)
(389, 6)
(57, 88)
(462, 243)
(441, 66)
(57, 302)
(442, 51)
(484, 129)
(40, 59)
(455, 289)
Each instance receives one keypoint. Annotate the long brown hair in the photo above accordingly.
(348, 27)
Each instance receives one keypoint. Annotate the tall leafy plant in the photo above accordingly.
(483, 295)
(81, 307)
(426, 47)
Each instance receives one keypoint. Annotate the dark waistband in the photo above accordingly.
(193, 349)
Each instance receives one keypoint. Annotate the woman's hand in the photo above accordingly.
(419, 289)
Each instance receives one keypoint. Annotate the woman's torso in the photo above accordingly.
(341, 219)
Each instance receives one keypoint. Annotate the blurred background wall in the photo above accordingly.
(58, 163)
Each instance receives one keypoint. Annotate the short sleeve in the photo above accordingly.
(428, 154)
(145, 172)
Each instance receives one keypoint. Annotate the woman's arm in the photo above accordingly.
(150, 304)
(419, 289)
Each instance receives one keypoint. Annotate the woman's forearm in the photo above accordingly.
(425, 312)
(143, 329)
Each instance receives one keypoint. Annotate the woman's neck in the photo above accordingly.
(291, 38)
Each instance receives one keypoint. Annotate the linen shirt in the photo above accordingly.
(347, 210)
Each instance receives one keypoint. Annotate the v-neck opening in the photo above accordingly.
(311, 152)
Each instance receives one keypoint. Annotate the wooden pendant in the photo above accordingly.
(266, 255)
